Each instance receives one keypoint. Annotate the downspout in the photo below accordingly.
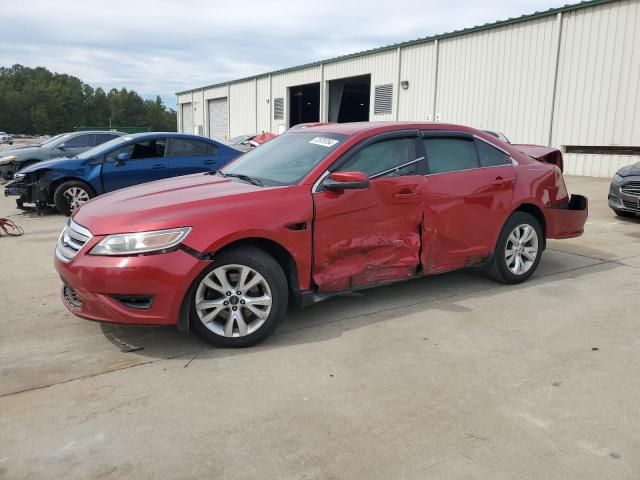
(399, 62)
(228, 111)
(555, 78)
(435, 81)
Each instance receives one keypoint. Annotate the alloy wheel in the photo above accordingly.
(521, 249)
(233, 300)
(76, 197)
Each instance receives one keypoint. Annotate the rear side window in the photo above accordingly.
(490, 156)
(191, 148)
(384, 155)
(450, 154)
(81, 141)
(146, 149)
(104, 137)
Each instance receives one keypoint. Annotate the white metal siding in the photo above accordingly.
(598, 99)
(418, 67)
(187, 118)
(263, 105)
(596, 165)
(500, 78)
(218, 118)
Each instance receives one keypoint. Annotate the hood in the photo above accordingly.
(20, 151)
(53, 163)
(174, 202)
(629, 170)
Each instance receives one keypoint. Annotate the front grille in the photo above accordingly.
(631, 205)
(71, 240)
(631, 188)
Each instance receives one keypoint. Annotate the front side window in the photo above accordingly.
(490, 156)
(146, 149)
(81, 141)
(450, 154)
(380, 157)
(191, 148)
(286, 159)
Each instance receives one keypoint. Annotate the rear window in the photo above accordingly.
(489, 155)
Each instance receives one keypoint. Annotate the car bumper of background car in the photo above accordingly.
(625, 196)
(142, 290)
(567, 221)
(26, 192)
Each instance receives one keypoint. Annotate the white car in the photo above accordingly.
(6, 138)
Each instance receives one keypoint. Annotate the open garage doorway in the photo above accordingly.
(349, 99)
(304, 104)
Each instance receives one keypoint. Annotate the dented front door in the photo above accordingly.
(373, 235)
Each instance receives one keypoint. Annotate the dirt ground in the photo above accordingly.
(446, 377)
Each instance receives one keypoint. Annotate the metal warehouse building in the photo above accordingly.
(567, 77)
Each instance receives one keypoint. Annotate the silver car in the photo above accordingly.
(624, 192)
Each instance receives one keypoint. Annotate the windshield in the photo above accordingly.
(286, 159)
(104, 148)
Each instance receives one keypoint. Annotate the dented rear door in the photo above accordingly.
(373, 235)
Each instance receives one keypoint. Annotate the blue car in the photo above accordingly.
(67, 183)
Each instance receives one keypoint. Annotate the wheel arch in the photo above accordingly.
(56, 182)
(535, 211)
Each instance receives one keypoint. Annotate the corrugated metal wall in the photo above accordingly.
(501, 78)
(598, 97)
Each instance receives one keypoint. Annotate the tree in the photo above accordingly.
(37, 101)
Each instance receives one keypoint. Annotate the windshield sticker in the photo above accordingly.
(324, 141)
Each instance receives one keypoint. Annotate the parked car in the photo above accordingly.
(65, 144)
(311, 214)
(5, 138)
(624, 191)
(245, 143)
(67, 183)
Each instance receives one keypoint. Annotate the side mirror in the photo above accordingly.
(61, 146)
(347, 181)
(122, 157)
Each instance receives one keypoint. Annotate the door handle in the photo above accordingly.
(405, 195)
(158, 166)
(499, 181)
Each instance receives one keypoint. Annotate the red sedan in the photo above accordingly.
(312, 213)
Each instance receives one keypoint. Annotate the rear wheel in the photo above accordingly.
(239, 299)
(71, 195)
(518, 250)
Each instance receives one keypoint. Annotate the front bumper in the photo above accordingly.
(26, 191)
(141, 290)
(626, 202)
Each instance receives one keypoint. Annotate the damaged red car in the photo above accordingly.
(310, 214)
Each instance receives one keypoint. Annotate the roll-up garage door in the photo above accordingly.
(218, 118)
(187, 118)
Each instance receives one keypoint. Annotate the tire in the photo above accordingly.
(622, 213)
(507, 269)
(67, 191)
(246, 328)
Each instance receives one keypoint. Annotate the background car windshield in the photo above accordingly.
(104, 148)
(286, 159)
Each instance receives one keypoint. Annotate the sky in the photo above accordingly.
(161, 47)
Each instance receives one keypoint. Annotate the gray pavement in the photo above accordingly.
(445, 377)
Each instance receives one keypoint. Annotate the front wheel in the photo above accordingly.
(518, 250)
(239, 299)
(71, 195)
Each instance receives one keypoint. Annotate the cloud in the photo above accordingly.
(160, 47)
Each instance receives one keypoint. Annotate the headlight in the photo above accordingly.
(9, 158)
(141, 242)
(617, 179)
(19, 176)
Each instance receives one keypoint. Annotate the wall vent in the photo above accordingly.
(278, 108)
(383, 100)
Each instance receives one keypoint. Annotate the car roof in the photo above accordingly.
(356, 128)
(166, 134)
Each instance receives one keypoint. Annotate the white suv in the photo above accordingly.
(6, 138)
